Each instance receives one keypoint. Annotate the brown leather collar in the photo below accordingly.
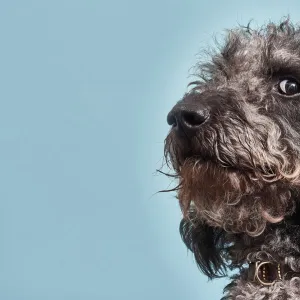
(267, 272)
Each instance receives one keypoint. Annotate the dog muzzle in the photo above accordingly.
(267, 272)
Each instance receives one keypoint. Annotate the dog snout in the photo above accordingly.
(187, 118)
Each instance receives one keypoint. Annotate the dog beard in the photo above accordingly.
(232, 199)
(237, 172)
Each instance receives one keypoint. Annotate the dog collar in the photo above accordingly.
(267, 272)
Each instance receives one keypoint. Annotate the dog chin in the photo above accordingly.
(230, 197)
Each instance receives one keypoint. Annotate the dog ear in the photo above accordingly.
(207, 244)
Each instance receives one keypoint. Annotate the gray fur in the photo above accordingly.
(239, 175)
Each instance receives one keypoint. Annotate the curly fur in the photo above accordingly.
(239, 176)
(279, 291)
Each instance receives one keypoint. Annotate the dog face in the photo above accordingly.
(234, 141)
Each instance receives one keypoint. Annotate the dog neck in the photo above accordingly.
(277, 255)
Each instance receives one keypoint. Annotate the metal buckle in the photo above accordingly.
(264, 269)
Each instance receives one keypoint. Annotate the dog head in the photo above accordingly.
(234, 142)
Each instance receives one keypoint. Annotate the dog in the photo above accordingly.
(234, 147)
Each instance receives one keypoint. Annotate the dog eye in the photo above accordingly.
(289, 87)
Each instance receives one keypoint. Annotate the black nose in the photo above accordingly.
(186, 118)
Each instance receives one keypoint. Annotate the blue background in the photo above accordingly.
(85, 90)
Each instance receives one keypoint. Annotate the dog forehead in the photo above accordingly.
(257, 56)
(247, 57)
(251, 60)
(244, 63)
(280, 50)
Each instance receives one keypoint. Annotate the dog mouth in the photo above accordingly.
(181, 156)
(180, 152)
(226, 193)
(214, 161)
(204, 164)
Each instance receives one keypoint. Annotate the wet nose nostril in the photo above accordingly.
(193, 119)
(187, 119)
(171, 119)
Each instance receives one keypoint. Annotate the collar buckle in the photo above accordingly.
(265, 272)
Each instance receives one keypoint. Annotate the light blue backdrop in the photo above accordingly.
(85, 89)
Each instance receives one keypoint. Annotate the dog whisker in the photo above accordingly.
(234, 152)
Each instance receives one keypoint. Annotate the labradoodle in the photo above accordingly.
(234, 146)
